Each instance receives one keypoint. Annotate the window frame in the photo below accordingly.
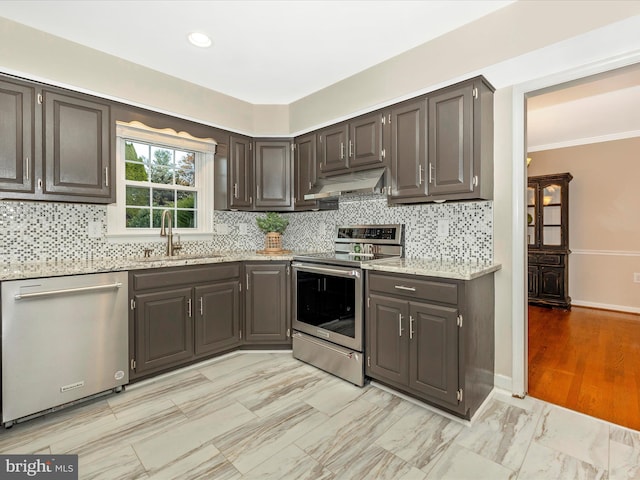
(204, 149)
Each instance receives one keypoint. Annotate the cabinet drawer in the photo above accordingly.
(546, 259)
(191, 275)
(415, 287)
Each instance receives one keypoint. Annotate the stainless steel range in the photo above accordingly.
(328, 294)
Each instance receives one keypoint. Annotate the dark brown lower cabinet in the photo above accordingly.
(267, 297)
(163, 329)
(548, 279)
(217, 317)
(182, 314)
(432, 338)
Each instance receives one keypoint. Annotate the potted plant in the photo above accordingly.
(273, 225)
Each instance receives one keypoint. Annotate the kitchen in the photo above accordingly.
(355, 211)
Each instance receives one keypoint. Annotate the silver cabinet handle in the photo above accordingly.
(350, 148)
(189, 307)
(201, 307)
(431, 175)
(26, 168)
(247, 282)
(257, 192)
(310, 186)
(50, 293)
(402, 287)
(341, 151)
(106, 176)
(400, 324)
(235, 190)
(420, 175)
(410, 327)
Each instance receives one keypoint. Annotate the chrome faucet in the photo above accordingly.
(168, 232)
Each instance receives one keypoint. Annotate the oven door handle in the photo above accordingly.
(299, 336)
(332, 271)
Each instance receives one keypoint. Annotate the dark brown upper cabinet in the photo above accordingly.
(460, 156)
(408, 125)
(353, 145)
(305, 168)
(55, 145)
(332, 149)
(16, 137)
(273, 175)
(240, 173)
(77, 154)
(442, 145)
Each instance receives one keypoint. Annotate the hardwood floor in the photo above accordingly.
(587, 360)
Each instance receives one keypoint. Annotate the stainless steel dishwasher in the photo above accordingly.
(63, 339)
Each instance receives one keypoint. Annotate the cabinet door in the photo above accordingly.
(305, 170)
(16, 137)
(240, 172)
(217, 317)
(77, 147)
(273, 175)
(163, 329)
(387, 334)
(434, 351)
(552, 282)
(332, 148)
(451, 141)
(408, 150)
(554, 214)
(533, 275)
(365, 141)
(267, 303)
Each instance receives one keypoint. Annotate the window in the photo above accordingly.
(160, 171)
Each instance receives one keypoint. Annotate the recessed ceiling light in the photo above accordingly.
(199, 39)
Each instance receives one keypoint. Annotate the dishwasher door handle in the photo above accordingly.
(52, 293)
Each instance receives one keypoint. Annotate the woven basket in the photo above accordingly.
(273, 242)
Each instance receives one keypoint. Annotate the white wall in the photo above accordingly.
(517, 44)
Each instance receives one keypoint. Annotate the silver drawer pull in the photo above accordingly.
(409, 289)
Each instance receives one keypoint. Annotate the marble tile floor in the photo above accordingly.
(264, 415)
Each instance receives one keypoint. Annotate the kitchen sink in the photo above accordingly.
(177, 258)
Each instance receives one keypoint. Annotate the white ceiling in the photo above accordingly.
(264, 52)
(597, 108)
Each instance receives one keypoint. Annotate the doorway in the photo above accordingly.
(562, 324)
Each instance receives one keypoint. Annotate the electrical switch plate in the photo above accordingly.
(636, 277)
(95, 230)
(443, 227)
(243, 229)
(222, 229)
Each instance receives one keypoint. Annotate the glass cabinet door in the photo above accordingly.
(551, 228)
(531, 216)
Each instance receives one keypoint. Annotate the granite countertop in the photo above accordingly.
(434, 268)
(58, 268)
(413, 266)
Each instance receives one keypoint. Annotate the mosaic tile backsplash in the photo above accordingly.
(39, 231)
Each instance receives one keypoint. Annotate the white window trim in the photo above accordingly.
(205, 149)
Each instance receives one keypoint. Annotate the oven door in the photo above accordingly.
(327, 303)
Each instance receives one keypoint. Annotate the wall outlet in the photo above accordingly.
(95, 230)
(443, 227)
(222, 229)
(636, 277)
(243, 229)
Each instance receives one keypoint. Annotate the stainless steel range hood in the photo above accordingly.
(368, 181)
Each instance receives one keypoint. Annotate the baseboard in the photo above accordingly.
(605, 306)
(503, 382)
